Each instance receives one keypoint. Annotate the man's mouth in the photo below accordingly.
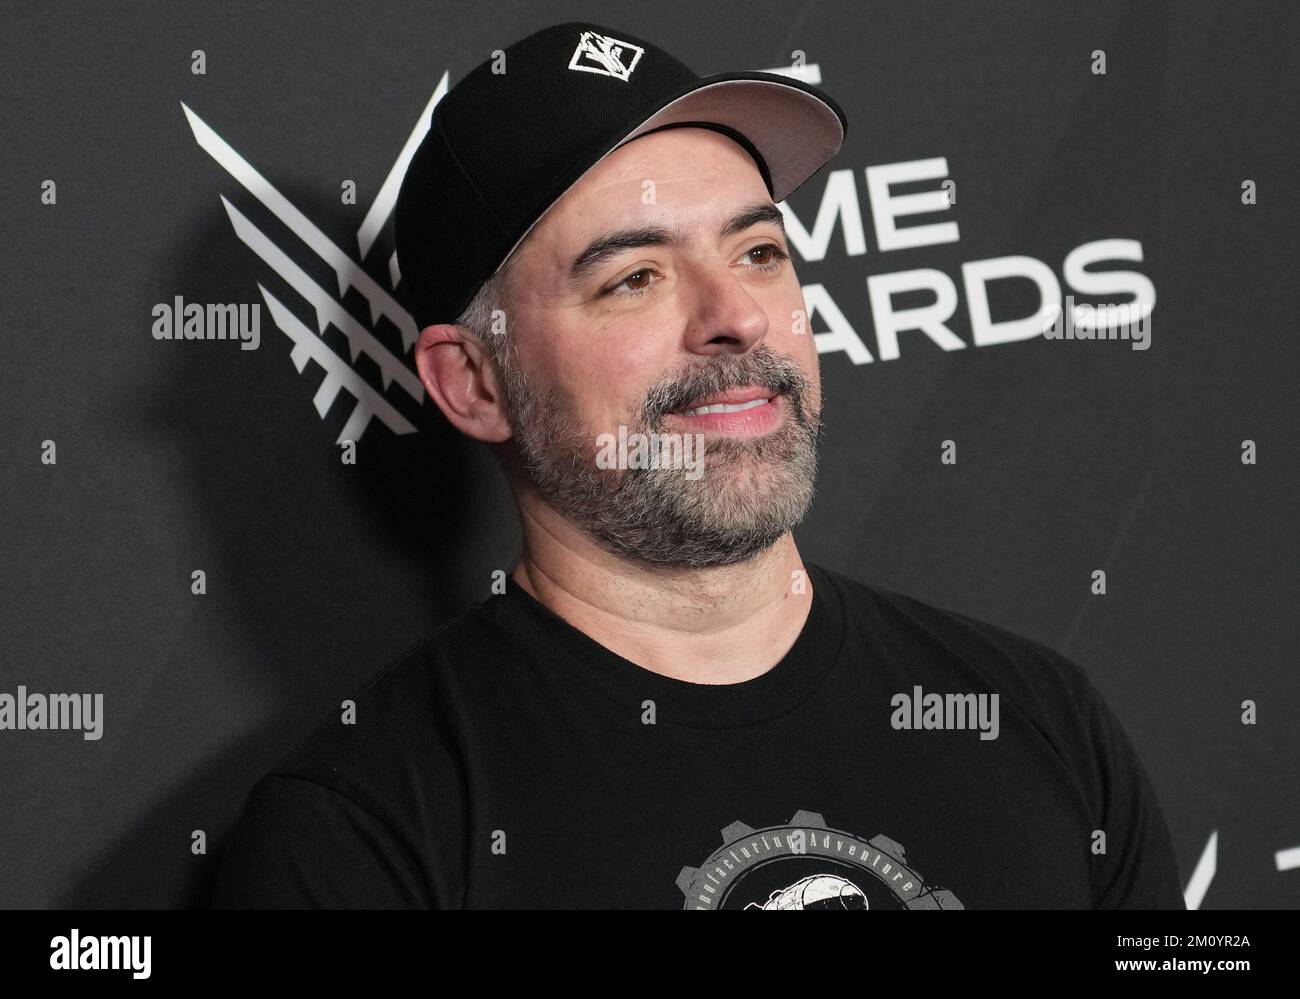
(743, 412)
(733, 401)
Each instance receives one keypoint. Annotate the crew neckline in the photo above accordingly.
(781, 689)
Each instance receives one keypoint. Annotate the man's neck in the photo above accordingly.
(723, 624)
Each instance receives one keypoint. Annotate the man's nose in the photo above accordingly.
(724, 315)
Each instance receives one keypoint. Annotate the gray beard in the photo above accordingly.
(752, 492)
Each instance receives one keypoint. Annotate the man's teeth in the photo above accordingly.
(725, 407)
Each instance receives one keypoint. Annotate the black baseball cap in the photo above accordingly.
(519, 130)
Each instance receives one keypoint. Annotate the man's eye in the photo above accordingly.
(777, 256)
(638, 283)
(636, 289)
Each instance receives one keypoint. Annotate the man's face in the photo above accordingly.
(644, 331)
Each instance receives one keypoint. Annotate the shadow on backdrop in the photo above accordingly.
(318, 573)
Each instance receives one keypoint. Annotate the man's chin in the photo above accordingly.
(714, 526)
(700, 550)
(740, 500)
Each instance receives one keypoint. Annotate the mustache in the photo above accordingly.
(765, 370)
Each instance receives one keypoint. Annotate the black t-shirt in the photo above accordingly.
(508, 760)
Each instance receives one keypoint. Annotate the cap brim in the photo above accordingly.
(794, 126)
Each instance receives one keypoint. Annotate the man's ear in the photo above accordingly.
(458, 374)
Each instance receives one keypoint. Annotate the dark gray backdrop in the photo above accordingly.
(1072, 457)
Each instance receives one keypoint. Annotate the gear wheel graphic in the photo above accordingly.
(806, 835)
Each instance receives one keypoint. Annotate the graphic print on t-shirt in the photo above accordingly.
(807, 865)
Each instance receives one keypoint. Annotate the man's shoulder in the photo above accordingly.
(949, 652)
(366, 809)
(402, 713)
(1010, 662)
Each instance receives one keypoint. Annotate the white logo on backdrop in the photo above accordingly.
(327, 304)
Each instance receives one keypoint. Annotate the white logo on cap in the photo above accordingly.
(605, 55)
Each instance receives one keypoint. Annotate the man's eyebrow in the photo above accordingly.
(603, 247)
(752, 215)
(607, 245)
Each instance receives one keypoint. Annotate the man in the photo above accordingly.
(666, 707)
